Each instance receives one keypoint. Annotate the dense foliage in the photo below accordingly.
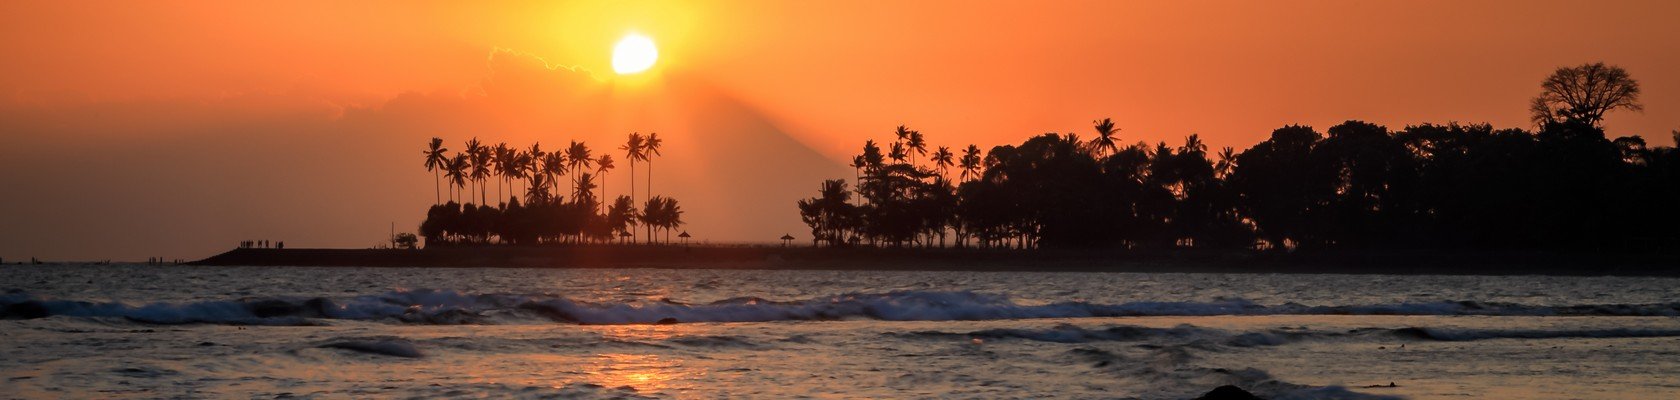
(1564, 185)
(544, 216)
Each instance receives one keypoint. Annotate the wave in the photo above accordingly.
(454, 307)
(1069, 333)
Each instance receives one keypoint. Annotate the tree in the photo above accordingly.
(663, 213)
(1282, 188)
(457, 172)
(1103, 144)
(1584, 94)
(579, 160)
(479, 155)
(650, 149)
(830, 214)
(602, 165)
(621, 215)
(475, 161)
(942, 160)
(406, 240)
(916, 146)
(504, 160)
(554, 165)
(532, 161)
(633, 151)
(970, 163)
(437, 158)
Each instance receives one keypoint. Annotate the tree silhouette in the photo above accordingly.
(633, 151)
(1107, 134)
(540, 216)
(1564, 185)
(942, 160)
(1584, 94)
(554, 165)
(917, 145)
(970, 162)
(532, 161)
(830, 214)
(479, 156)
(578, 160)
(622, 215)
(437, 158)
(457, 171)
(650, 149)
(602, 165)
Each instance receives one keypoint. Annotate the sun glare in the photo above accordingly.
(635, 53)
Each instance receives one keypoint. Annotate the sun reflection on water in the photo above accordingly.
(644, 372)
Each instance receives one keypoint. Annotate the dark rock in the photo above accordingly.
(1228, 392)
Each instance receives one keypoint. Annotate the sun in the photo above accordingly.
(635, 53)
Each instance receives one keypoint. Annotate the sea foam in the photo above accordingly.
(454, 307)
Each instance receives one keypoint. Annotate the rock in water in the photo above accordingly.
(1228, 392)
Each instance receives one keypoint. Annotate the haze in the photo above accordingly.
(176, 129)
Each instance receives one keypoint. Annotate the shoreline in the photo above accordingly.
(1359, 262)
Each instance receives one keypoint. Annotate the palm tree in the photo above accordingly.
(520, 169)
(585, 190)
(971, 162)
(602, 165)
(475, 162)
(1103, 144)
(578, 158)
(915, 146)
(942, 160)
(1227, 162)
(554, 165)
(662, 212)
(437, 158)
(481, 170)
(621, 215)
(502, 157)
(533, 159)
(897, 153)
(673, 217)
(858, 163)
(537, 192)
(650, 149)
(633, 151)
(902, 133)
(872, 154)
(457, 172)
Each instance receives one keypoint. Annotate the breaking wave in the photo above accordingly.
(1068, 333)
(454, 307)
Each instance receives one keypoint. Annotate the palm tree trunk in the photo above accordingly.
(437, 193)
(650, 196)
(632, 195)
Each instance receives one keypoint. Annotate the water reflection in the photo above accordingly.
(646, 372)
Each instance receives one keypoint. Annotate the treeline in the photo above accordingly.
(1564, 185)
(544, 216)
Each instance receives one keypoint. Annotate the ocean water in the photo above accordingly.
(129, 331)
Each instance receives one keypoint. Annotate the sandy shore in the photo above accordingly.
(772, 257)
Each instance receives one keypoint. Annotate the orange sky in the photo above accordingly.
(175, 129)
